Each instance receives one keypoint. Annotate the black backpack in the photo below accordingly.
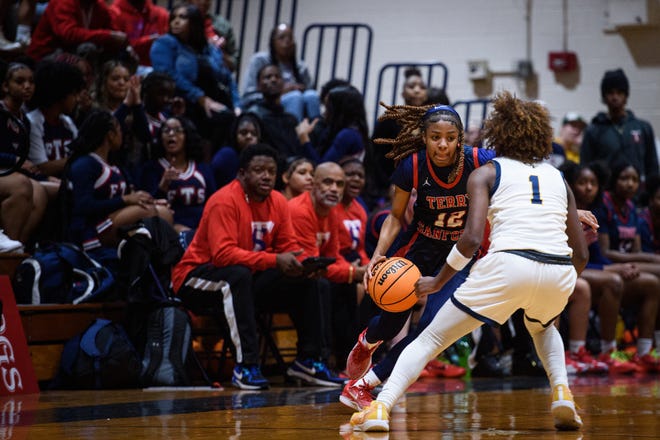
(158, 324)
(167, 347)
(101, 357)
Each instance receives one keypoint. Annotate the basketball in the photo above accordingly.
(392, 286)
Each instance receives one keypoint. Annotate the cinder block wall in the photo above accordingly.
(503, 32)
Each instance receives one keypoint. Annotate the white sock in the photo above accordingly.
(644, 346)
(22, 30)
(371, 379)
(550, 349)
(607, 346)
(575, 346)
(656, 336)
(449, 324)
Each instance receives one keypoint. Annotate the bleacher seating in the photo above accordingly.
(391, 73)
(348, 56)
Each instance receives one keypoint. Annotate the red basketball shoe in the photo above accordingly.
(440, 368)
(647, 363)
(357, 395)
(618, 362)
(359, 359)
(583, 358)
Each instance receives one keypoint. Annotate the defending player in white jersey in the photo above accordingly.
(537, 250)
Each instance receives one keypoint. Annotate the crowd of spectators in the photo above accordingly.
(130, 111)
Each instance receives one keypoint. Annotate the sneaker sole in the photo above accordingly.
(565, 415)
(350, 403)
(373, 426)
(313, 380)
(237, 383)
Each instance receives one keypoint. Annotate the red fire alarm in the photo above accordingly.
(562, 61)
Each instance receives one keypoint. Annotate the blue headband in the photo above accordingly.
(439, 108)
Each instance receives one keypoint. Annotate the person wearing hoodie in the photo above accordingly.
(617, 134)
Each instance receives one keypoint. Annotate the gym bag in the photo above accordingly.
(61, 273)
(101, 357)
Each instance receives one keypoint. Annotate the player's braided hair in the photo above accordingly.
(414, 121)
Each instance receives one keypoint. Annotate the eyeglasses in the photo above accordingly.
(173, 130)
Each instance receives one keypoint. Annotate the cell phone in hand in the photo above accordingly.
(312, 264)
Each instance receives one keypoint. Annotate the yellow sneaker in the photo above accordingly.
(564, 410)
(373, 418)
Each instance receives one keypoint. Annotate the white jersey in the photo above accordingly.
(528, 208)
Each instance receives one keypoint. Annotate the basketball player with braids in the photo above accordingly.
(432, 159)
(530, 264)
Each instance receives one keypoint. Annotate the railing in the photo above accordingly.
(349, 44)
(249, 26)
(471, 115)
(390, 73)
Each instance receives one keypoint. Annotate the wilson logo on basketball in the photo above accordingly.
(394, 267)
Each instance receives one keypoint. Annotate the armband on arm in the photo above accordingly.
(456, 260)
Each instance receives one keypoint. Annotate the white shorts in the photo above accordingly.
(501, 283)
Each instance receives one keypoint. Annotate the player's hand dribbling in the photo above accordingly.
(425, 286)
(371, 267)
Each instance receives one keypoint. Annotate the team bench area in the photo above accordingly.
(48, 326)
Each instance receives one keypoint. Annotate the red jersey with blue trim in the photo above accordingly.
(319, 236)
(352, 231)
(237, 231)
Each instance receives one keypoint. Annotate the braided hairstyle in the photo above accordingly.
(519, 129)
(92, 133)
(414, 122)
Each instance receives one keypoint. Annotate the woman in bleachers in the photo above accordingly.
(199, 72)
(57, 86)
(177, 173)
(613, 284)
(298, 176)
(299, 97)
(415, 93)
(347, 133)
(119, 91)
(23, 199)
(96, 195)
(245, 131)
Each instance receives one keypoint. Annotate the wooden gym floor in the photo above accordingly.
(611, 407)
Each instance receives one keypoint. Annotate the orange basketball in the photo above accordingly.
(392, 286)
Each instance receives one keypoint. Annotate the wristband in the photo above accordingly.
(456, 260)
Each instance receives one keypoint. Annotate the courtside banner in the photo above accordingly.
(16, 370)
